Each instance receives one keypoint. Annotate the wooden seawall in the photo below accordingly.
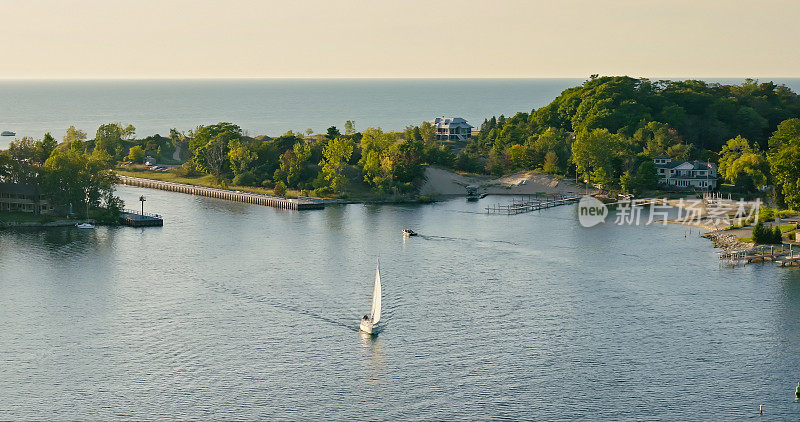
(250, 198)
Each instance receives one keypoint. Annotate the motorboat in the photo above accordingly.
(370, 322)
(472, 193)
(85, 226)
(409, 232)
(8, 133)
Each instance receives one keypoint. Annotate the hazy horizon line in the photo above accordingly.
(218, 78)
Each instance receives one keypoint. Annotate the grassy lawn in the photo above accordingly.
(24, 217)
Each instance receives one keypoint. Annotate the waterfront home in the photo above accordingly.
(451, 129)
(699, 175)
(23, 198)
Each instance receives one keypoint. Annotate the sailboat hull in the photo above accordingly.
(369, 328)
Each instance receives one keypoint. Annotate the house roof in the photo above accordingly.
(688, 165)
(450, 122)
(18, 189)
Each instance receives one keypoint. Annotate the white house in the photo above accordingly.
(451, 129)
(686, 174)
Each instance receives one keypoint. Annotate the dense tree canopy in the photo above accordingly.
(617, 123)
(784, 160)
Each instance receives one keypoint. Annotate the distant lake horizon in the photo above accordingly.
(269, 106)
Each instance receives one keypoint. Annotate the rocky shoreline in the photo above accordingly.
(727, 241)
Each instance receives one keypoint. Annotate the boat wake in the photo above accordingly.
(241, 294)
(462, 239)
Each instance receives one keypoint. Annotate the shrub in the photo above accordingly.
(188, 169)
(279, 189)
(244, 179)
(777, 235)
(136, 154)
(320, 192)
(766, 235)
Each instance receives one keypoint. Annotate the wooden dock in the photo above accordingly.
(302, 203)
(137, 219)
(776, 253)
(532, 203)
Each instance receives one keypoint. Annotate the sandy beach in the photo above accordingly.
(440, 182)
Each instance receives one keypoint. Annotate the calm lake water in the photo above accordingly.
(237, 311)
(31, 108)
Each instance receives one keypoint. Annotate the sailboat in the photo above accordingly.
(370, 322)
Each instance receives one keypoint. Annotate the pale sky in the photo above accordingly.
(394, 38)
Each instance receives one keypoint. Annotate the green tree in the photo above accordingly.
(75, 139)
(680, 152)
(23, 149)
(128, 132)
(518, 155)
(74, 178)
(784, 160)
(749, 172)
(292, 163)
(427, 131)
(626, 182)
(109, 138)
(743, 165)
(731, 152)
(766, 235)
(372, 170)
(209, 145)
(336, 154)
(332, 133)
(598, 149)
(279, 189)
(551, 163)
(44, 148)
(550, 140)
(136, 154)
(240, 156)
(349, 127)
(215, 154)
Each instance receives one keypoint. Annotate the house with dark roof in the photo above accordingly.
(690, 175)
(23, 198)
(451, 129)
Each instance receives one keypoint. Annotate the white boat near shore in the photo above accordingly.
(8, 133)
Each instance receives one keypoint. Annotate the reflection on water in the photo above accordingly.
(373, 355)
(242, 311)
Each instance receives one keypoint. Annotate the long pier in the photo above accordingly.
(302, 203)
(532, 203)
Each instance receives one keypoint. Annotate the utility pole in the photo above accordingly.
(142, 199)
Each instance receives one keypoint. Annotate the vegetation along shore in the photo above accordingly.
(603, 134)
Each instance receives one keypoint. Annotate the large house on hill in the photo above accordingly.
(451, 129)
(699, 175)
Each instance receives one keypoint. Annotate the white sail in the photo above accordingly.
(376, 296)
